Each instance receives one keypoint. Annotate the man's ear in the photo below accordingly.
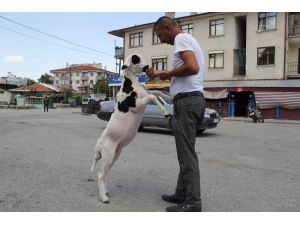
(124, 67)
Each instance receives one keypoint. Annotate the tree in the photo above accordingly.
(46, 78)
(30, 82)
(101, 86)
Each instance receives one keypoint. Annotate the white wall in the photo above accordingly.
(5, 96)
(227, 43)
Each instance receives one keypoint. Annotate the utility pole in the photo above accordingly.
(70, 83)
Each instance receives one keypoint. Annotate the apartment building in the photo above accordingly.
(252, 58)
(13, 80)
(80, 77)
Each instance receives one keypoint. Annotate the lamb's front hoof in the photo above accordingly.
(168, 115)
(105, 201)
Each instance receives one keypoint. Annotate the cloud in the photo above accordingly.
(14, 58)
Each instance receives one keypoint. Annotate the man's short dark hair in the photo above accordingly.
(163, 22)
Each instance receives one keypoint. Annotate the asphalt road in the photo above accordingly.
(45, 160)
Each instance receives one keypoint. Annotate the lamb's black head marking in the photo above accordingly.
(135, 59)
(129, 101)
(127, 86)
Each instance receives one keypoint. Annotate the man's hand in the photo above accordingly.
(150, 73)
(162, 75)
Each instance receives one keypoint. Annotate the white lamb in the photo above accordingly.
(123, 125)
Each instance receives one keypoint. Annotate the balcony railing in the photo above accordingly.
(84, 78)
(240, 61)
(119, 52)
(294, 30)
(293, 68)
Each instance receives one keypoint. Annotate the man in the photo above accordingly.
(189, 107)
(46, 104)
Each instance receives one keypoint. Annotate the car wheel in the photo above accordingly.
(200, 131)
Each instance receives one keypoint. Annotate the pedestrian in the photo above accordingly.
(189, 107)
(46, 104)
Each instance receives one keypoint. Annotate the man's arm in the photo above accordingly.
(189, 67)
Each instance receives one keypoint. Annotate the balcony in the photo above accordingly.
(293, 70)
(294, 30)
(84, 78)
(119, 52)
(239, 62)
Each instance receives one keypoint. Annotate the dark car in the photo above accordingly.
(90, 106)
(153, 117)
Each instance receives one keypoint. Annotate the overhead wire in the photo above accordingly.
(53, 36)
(49, 42)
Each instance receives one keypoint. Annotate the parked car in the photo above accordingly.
(153, 117)
(90, 106)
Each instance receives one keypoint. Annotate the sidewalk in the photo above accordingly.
(249, 120)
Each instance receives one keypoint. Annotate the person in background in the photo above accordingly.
(46, 104)
(189, 107)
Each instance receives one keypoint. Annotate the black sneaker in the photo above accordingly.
(185, 207)
(173, 199)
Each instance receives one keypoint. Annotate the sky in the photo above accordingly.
(27, 53)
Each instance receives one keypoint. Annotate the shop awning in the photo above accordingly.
(287, 100)
(216, 94)
(156, 85)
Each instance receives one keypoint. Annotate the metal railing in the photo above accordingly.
(294, 30)
(293, 68)
(239, 61)
(119, 52)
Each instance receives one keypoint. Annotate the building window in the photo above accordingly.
(91, 74)
(159, 63)
(155, 39)
(266, 56)
(187, 28)
(77, 81)
(136, 39)
(57, 82)
(216, 59)
(266, 21)
(91, 81)
(294, 23)
(216, 27)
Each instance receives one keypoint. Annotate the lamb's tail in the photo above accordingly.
(97, 158)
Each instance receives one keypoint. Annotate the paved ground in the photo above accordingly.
(45, 160)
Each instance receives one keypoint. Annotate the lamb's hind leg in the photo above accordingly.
(107, 161)
(117, 154)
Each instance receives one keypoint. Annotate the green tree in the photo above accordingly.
(46, 78)
(30, 82)
(101, 86)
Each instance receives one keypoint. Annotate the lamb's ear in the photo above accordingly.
(124, 67)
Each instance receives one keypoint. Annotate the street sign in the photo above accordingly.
(117, 80)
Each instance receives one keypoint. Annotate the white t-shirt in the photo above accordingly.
(186, 42)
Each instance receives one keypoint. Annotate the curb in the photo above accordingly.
(248, 120)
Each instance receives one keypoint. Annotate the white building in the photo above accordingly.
(13, 80)
(79, 77)
(5, 97)
(245, 53)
